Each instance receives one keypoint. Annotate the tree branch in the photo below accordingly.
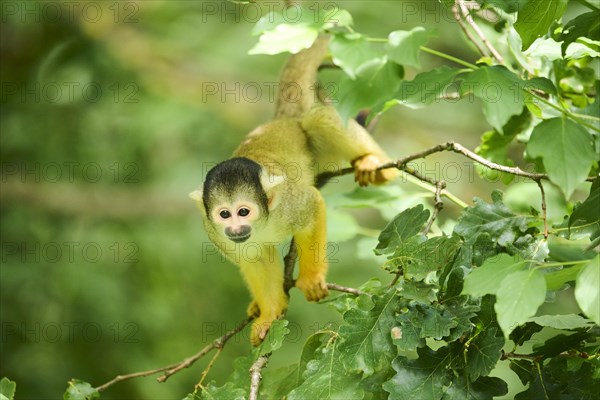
(437, 206)
(255, 375)
(340, 288)
(458, 19)
(469, 18)
(216, 344)
(174, 368)
(208, 367)
(544, 214)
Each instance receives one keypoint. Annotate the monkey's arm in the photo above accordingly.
(332, 141)
(264, 276)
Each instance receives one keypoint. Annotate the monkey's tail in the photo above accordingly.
(298, 91)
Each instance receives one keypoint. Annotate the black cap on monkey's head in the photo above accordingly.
(232, 178)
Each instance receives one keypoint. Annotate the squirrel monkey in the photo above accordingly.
(266, 193)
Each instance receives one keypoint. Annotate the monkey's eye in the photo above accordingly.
(243, 212)
(224, 214)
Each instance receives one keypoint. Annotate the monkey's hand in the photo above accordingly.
(313, 287)
(260, 327)
(365, 171)
(253, 309)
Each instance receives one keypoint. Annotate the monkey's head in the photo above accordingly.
(235, 197)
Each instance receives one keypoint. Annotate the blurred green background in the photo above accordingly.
(109, 117)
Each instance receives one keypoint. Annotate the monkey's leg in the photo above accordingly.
(332, 139)
(312, 253)
(264, 276)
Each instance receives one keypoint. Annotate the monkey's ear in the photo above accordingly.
(196, 195)
(268, 181)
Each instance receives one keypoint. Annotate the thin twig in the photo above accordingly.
(437, 206)
(458, 18)
(544, 215)
(396, 278)
(141, 374)
(507, 355)
(255, 375)
(216, 344)
(174, 368)
(448, 146)
(469, 18)
(208, 367)
(340, 288)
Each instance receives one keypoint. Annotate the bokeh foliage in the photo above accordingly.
(121, 104)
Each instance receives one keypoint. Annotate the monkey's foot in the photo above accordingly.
(313, 289)
(365, 171)
(253, 309)
(259, 329)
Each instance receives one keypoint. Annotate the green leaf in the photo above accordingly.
(327, 379)
(502, 225)
(566, 321)
(587, 290)
(536, 16)
(336, 18)
(486, 279)
(407, 334)
(499, 89)
(292, 38)
(510, 6)
(566, 150)
(553, 380)
(482, 353)
(416, 290)
(417, 259)
(80, 390)
(227, 391)
(436, 322)
(548, 48)
(367, 342)
(583, 48)
(484, 388)
(423, 378)
(461, 310)
(557, 279)
(376, 83)
(584, 25)
(588, 213)
(405, 225)
(274, 340)
(519, 296)
(403, 47)
(7, 389)
(561, 343)
(351, 52)
(426, 88)
(277, 383)
(479, 350)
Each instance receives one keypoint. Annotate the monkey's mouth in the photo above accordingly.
(239, 239)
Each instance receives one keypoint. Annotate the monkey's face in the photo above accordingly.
(236, 219)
